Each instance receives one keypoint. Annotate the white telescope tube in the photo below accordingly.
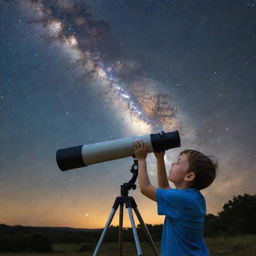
(83, 155)
(110, 150)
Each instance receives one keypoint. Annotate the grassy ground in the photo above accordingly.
(220, 246)
(235, 246)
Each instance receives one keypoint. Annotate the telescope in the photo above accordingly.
(84, 155)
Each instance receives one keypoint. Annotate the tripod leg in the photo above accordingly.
(146, 231)
(112, 213)
(139, 252)
(121, 229)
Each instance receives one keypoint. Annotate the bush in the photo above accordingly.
(40, 243)
(4, 244)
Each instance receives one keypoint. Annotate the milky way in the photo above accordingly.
(86, 40)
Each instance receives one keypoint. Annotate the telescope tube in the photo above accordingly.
(84, 155)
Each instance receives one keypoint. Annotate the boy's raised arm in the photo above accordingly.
(141, 154)
(161, 171)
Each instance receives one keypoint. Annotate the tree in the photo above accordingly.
(212, 226)
(239, 215)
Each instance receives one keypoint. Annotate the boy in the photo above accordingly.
(184, 207)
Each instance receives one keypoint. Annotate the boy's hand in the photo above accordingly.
(159, 155)
(140, 150)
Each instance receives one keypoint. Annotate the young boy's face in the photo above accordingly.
(179, 169)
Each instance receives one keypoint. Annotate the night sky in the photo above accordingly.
(81, 72)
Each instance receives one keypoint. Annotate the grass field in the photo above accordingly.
(220, 246)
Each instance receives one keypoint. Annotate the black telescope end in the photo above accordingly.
(163, 141)
(70, 158)
(177, 138)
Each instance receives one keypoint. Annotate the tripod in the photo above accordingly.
(130, 204)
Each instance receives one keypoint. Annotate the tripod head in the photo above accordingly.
(131, 183)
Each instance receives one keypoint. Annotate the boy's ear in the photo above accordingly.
(190, 176)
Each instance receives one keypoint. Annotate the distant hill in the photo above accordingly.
(38, 228)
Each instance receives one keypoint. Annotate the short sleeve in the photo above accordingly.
(170, 202)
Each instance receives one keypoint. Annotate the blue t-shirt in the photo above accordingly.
(183, 228)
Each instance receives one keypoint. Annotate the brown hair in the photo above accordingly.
(203, 166)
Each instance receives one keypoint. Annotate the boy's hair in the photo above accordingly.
(203, 166)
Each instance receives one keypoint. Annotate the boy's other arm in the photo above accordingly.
(145, 187)
(161, 173)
